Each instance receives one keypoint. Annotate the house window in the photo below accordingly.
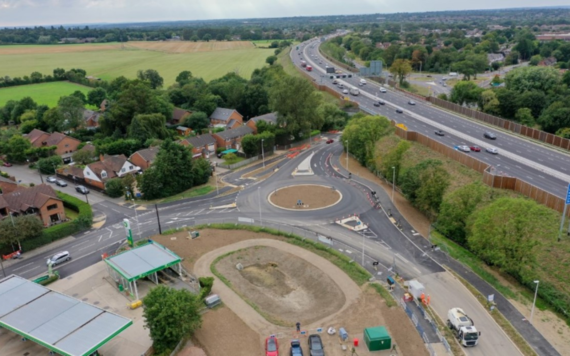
(123, 170)
(103, 174)
(52, 207)
(66, 145)
(88, 173)
(130, 168)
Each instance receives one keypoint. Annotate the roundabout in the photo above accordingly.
(305, 197)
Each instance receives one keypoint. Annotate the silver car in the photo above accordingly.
(51, 179)
(492, 150)
(59, 258)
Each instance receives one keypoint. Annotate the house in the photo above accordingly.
(91, 119)
(232, 138)
(270, 118)
(179, 115)
(144, 158)
(183, 130)
(554, 36)
(7, 185)
(547, 62)
(96, 174)
(495, 57)
(65, 145)
(40, 200)
(74, 173)
(202, 146)
(222, 116)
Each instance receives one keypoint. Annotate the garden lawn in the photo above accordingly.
(43, 94)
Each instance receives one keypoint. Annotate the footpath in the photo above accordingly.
(534, 338)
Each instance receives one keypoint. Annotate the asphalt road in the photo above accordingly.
(539, 165)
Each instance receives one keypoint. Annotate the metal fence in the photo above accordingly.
(239, 164)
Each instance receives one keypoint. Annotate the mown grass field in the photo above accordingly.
(107, 61)
(43, 94)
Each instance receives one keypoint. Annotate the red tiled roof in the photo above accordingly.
(34, 197)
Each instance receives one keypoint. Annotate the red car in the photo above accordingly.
(330, 140)
(271, 346)
(7, 164)
(475, 148)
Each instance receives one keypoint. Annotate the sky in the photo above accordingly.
(55, 12)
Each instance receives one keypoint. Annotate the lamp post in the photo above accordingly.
(534, 301)
(346, 154)
(393, 181)
(263, 152)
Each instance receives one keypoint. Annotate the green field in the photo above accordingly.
(45, 93)
(108, 63)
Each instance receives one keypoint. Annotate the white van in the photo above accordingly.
(453, 74)
(362, 81)
(382, 90)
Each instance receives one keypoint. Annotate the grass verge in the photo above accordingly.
(190, 193)
(390, 301)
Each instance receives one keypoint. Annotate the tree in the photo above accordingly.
(534, 60)
(83, 157)
(202, 171)
(114, 187)
(16, 148)
(251, 144)
(523, 79)
(151, 76)
(297, 103)
(270, 60)
(393, 158)
(171, 172)
(424, 185)
(524, 116)
(183, 77)
(197, 121)
(49, 165)
(59, 73)
(148, 126)
(36, 77)
(334, 118)
(401, 68)
(507, 232)
(20, 228)
(555, 117)
(207, 37)
(466, 93)
(362, 132)
(70, 110)
(170, 315)
(21, 107)
(96, 96)
(488, 102)
(566, 78)
(564, 132)
(79, 95)
(194, 38)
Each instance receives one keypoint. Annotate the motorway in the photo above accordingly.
(539, 165)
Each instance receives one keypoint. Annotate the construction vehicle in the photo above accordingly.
(463, 326)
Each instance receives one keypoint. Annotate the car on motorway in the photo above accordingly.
(335, 81)
(82, 189)
(439, 133)
(345, 91)
(341, 85)
(51, 179)
(444, 84)
(296, 349)
(399, 111)
(379, 102)
(490, 135)
(475, 148)
(411, 102)
(271, 346)
(316, 345)
(492, 150)
(362, 81)
(58, 258)
(382, 90)
(463, 148)
(7, 164)
(61, 183)
(330, 140)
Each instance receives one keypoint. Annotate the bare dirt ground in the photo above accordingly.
(239, 339)
(315, 196)
(190, 47)
(284, 287)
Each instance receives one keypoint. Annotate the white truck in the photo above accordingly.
(354, 91)
(463, 326)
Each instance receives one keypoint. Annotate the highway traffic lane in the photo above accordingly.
(493, 340)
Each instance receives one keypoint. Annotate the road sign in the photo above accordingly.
(568, 195)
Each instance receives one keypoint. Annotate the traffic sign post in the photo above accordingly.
(566, 203)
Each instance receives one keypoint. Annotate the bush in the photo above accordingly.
(114, 188)
(206, 284)
(51, 279)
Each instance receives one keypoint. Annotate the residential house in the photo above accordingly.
(495, 57)
(554, 36)
(96, 174)
(74, 173)
(222, 116)
(144, 158)
(179, 115)
(65, 145)
(91, 119)
(547, 62)
(183, 130)
(7, 185)
(40, 200)
(232, 138)
(270, 118)
(202, 146)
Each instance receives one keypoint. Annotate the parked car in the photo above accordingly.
(7, 164)
(81, 189)
(464, 148)
(490, 135)
(296, 349)
(51, 179)
(271, 346)
(316, 346)
(439, 133)
(475, 148)
(58, 258)
(399, 111)
(411, 102)
(61, 183)
(330, 140)
(382, 90)
(492, 150)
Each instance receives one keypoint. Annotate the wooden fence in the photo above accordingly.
(512, 126)
(490, 176)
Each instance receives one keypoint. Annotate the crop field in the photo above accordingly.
(208, 60)
(45, 93)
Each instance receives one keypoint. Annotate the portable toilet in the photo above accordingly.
(377, 338)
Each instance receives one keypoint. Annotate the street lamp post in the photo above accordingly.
(346, 154)
(393, 181)
(263, 152)
(534, 301)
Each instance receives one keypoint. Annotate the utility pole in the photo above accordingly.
(259, 202)
(262, 152)
(346, 154)
(158, 219)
